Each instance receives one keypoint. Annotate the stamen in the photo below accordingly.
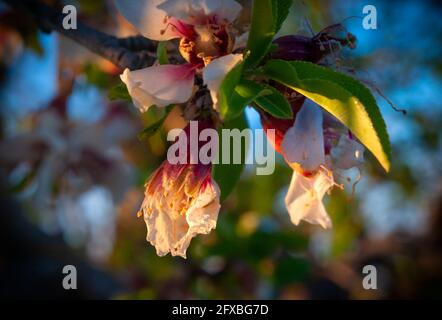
(177, 26)
(174, 28)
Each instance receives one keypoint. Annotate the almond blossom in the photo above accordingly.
(315, 149)
(181, 201)
(207, 40)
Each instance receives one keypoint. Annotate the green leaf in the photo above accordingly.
(267, 18)
(265, 96)
(245, 92)
(262, 31)
(227, 175)
(280, 12)
(119, 92)
(162, 53)
(275, 104)
(227, 89)
(154, 127)
(344, 97)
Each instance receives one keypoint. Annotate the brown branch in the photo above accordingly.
(131, 52)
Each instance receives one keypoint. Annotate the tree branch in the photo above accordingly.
(131, 52)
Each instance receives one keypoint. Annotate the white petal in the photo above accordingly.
(304, 198)
(347, 154)
(160, 85)
(171, 232)
(165, 229)
(303, 144)
(241, 41)
(201, 218)
(226, 9)
(196, 12)
(147, 18)
(216, 70)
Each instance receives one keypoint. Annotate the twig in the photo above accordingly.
(128, 52)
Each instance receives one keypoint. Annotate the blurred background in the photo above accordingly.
(72, 172)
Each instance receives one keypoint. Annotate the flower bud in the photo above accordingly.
(296, 47)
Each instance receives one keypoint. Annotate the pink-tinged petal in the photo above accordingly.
(216, 70)
(304, 198)
(347, 154)
(145, 16)
(159, 85)
(180, 202)
(197, 12)
(303, 144)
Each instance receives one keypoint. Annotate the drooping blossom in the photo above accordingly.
(312, 143)
(181, 201)
(315, 149)
(204, 28)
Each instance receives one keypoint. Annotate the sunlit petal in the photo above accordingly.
(180, 202)
(201, 217)
(215, 71)
(159, 85)
(303, 144)
(149, 20)
(304, 198)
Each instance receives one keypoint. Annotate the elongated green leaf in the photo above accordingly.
(261, 33)
(154, 127)
(162, 53)
(119, 92)
(267, 18)
(227, 175)
(344, 97)
(227, 89)
(275, 104)
(280, 12)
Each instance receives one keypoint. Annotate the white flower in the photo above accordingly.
(203, 27)
(304, 149)
(180, 202)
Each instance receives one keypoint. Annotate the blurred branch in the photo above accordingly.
(137, 43)
(130, 52)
